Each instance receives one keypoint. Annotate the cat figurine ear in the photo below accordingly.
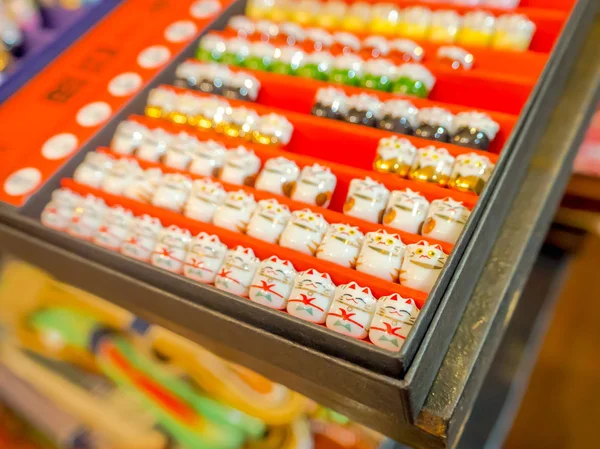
(393, 320)
(381, 255)
(352, 310)
(311, 296)
(272, 283)
(445, 220)
(422, 266)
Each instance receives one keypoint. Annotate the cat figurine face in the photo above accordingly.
(277, 175)
(272, 283)
(268, 220)
(172, 191)
(406, 210)
(87, 217)
(206, 195)
(311, 296)
(59, 211)
(445, 220)
(241, 166)
(432, 165)
(235, 212)
(161, 102)
(143, 185)
(304, 231)
(205, 256)
(171, 248)
(395, 155)
(237, 272)
(393, 320)
(315, 185)
(341, 244)
(470, 173)
(381, 255)
(208, 157)
(180, 151)
(141, 238)
(114, 229)
(154, 145)
(128, 137)
(352, 310)
(366, 199)
(422, 266)
(122, 173)
(92, 170)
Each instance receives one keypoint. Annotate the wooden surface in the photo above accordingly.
(561, 408)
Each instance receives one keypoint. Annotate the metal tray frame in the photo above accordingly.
(269, 346)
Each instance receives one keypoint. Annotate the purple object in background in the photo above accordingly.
(44, 44)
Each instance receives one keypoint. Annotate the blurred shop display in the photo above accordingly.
(588, 158)
(78, 372)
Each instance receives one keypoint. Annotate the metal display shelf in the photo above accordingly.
(503, 259)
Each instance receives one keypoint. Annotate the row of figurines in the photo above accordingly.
(466, 173)
(369, 46)
(349, 69)
(213, 112)
(217, 79)
(477, 28)
(310, 295)
(207, 200)
(470, 129)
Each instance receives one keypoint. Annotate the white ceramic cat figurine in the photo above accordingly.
(445, 220)
(141, 238)
(180, 151)
(315, 185)
(241, 166)
(311, 296)
(273, 282)
(352, 310)
(304, 231)
(422, 265)
(87, 217)
(393, 320)
(128, 137)
(381, 255)
(172, 191)
(268, 220)
(341, 244)
(206, 195)
(205, 256)
(57, 214)
(171, 248)
(143, 186)
(113, 231)
(406, 210)
(235, 212)
(121, 175)
(154, 145)
(366, 199)
(208, 158)
(277, 175)
(92, 170)
(235, 276)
